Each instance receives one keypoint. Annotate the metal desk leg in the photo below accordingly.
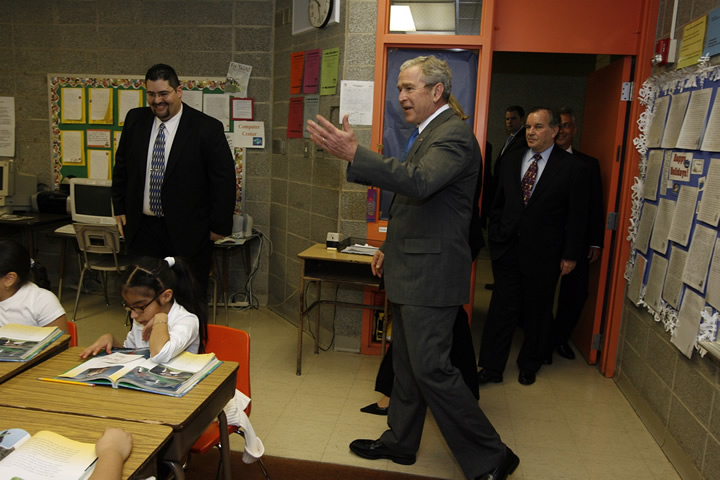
(63, 252)
(317, 318)
(301, 295)
(225, 444)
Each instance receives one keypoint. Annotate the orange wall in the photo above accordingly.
(567, 26)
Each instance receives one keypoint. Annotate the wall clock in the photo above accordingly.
(319, 12)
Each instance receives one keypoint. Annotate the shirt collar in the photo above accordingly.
(427, 121)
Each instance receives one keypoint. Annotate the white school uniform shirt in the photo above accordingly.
(184, 330)
(31, 305)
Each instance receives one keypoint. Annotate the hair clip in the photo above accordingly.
(170, 261)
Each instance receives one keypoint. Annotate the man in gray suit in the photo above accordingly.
(426, 263)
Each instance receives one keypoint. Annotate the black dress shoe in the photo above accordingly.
(505, 469)
(487, 376)
(526, 377)
(374, 450)
(489, 286)
(374, 409)
(565, 351)
(548, 359)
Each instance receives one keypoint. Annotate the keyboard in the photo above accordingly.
(66, 229)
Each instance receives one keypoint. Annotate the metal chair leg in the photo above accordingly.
(77, 296)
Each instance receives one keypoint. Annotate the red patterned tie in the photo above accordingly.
(528, 180)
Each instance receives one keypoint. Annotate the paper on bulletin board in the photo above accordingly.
(688, 324)
(634, 290)
(312, 71)
(295, 118)
(73, 105)
(98, 138)
(238, 77)
(693, 40)
(680, 164)
(297, 63)
(99, 164)
(101, 105)
(7, 126)
(672, 291)
(217, 105)
(683, 216)
(694, 121)
(72, 151)
(713, 288)
(709, 211)
(249, 134)
(116, 140)
(675, 119)
(656, 279)
(127, 100)
(699, 254)
(658, 122)
(661, 228)
(712, 38)
(356, 100)
(310, 111)
(329, 71)
(193, 98)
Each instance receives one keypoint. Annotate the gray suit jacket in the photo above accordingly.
(427, 255)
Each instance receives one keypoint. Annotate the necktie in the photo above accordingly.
(157, 170)
(409, 143)
(528, 180)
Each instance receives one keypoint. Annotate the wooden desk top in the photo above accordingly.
(320, 252)
(10, 369)
(35, 219)
(26, 391)
(147, 439)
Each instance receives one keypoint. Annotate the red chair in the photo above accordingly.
(232, 345)
(72, 331)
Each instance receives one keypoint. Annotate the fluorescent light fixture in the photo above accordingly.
(401, 19)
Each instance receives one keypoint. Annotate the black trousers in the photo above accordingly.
(571, 301)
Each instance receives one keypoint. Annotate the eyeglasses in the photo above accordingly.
(161, 95)
(139, 309)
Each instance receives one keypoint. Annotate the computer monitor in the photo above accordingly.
(16, 189)
(7, 182)
(91, 201)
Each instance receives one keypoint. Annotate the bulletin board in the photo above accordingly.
(674, 265)
(87, 115)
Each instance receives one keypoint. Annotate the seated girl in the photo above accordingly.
(22, 301)
(167, 317)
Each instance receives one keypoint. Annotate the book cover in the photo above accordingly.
(136, 371)
(19, 343)
(45, 455)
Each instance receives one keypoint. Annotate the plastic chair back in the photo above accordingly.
(72, 331)
(233, 345)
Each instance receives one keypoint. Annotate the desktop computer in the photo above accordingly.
(16, 189)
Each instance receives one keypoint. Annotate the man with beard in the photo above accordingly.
(174, 177)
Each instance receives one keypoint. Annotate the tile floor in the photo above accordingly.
(572, 424)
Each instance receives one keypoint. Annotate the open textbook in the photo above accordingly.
(19, 343)
(44, 456)
(135, 370)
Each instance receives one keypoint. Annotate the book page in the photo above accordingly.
(672, 291)
(694, 121)
(701, 248)
(22, 342)
(675, 119)
(652, 176)
(661, 230)
(104, 367)
(685, 334)
(170, 378)
(647, 219)
(712, 295)
(658, 121)
(709, 211)
(656, 279)
(48, 455)
(683, 216)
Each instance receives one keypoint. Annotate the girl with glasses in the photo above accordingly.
(167, 316)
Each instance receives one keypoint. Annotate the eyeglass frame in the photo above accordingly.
(140, 310)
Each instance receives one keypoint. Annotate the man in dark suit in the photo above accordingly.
(537, 221)
(574, 286)
(174, 177)
(425, 261)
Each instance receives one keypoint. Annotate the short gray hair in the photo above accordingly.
(434, 71)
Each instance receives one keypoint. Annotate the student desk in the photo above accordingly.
(188, 416)
(147, 440)
(322, 265)
(10, 369)
(30, 225)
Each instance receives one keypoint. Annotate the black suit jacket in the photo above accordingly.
(518, 143)
(198, 190)
(553, 224)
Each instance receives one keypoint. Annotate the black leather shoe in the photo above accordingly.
(548, 359)
(526, 377)
(565, 351)
(489, 286)
(505, 469)
(374, 409)
(487, 376)
(374, 450)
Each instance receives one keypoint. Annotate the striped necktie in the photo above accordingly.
(528, 180)
(157, 170)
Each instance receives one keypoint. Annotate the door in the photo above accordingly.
(603, 133)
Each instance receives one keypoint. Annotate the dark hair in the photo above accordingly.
(157, 275)
(567, 111)
(14, 257)
(552, 113)
(161, 71)
(517, 109)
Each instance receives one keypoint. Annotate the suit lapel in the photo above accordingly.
(549, 174)
(427, 131)
(181, 137)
